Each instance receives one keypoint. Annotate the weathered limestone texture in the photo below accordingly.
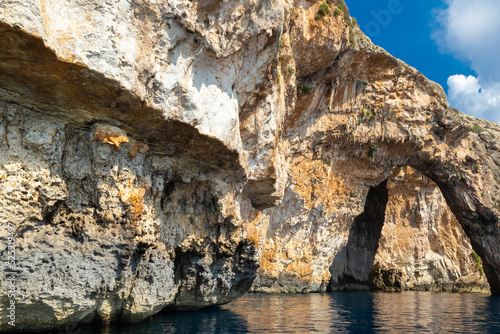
(121, 155)
(162, 154)
(106, 230)
(421, 240)
(415, 242)
(354, 120)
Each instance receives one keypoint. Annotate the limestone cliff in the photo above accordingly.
(421, 240)
(406, 238)
(412, 242)
(155, 154)
(121, 157)
(354, 121)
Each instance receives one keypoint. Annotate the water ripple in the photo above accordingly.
(338, 312)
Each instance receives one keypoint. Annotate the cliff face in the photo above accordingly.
(155, 155)
(353, 121)
(106, 229)
(422, 241)
(122, 162)
(413, 242)
(406, 238)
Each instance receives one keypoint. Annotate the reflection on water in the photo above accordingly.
(210, 320)
(338, 312)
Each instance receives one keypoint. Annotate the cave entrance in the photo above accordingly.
(407, 238)
(352, 265)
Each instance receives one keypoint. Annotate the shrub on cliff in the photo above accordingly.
(478, 262)
(323, 10)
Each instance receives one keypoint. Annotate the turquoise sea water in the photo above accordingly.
(337, 312)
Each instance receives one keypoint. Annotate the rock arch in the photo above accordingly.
(370, 112)
(353, 120)
(470, 197)
(410, 241)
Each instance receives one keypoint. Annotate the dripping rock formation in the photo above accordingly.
(176, 154)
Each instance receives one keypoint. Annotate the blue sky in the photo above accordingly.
(453, 42)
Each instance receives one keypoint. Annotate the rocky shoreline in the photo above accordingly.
(178, 154)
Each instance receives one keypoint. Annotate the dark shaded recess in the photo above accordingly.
(260, 193)
(386, 279)
(168, 189)
(246, 265)
(32, 76)
(489, 271)
(195, 273)
(363, 241)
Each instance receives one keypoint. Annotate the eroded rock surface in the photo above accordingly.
(106, 230)
(422, 241)
(155, 154)
(354, 120)
(416, 243)
(122, 162)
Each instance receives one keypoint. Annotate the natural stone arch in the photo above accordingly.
(372, 110)
(479, 222)
(406, 238)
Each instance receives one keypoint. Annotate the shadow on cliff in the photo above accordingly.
(33, 76)
(355, 261)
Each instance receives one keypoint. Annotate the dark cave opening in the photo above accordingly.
(352, 265)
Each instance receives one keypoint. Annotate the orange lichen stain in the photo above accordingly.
(109, 137)
(316, 183)
(272, 259)
(269, 265)
(302, 269)
(135, 200)
(253, 229)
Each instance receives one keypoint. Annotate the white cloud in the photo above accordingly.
(467, 95)
(470, 30)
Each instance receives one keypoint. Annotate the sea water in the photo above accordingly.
(336, 312)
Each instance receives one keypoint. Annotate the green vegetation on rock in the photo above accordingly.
(304, 89)
(323, 10)
(478, 262)
(477, 128)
